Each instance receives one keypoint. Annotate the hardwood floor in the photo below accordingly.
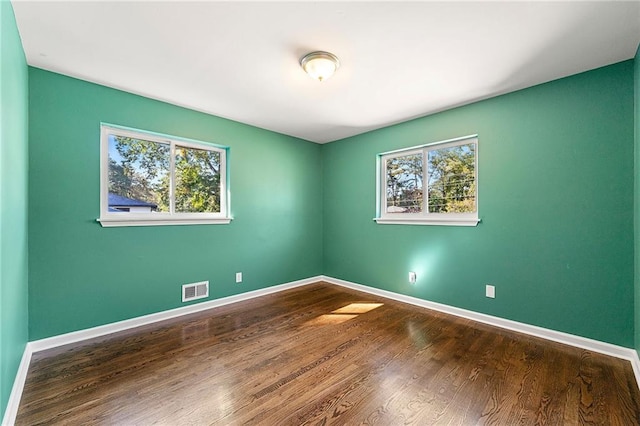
(321, 355)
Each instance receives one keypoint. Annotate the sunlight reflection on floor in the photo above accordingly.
(358, 308)
(343, 314)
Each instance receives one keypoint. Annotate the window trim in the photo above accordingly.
(111, 219)
(423, 218)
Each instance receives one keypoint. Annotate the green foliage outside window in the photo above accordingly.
(404, 184)
(452, 183)
(451, 180)
(141, 170)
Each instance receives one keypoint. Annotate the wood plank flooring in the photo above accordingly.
(321, 355)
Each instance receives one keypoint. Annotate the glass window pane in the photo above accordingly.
(197, 180)
(452, 184)
(404, 184)
(138, 175)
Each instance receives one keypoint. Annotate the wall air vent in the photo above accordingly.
(195, 291)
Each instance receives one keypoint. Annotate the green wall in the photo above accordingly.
(13, 201)
(555, 199)
(83, 275)
(556, 202)
(636, 76)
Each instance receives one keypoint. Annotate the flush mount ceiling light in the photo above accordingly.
(320, 65)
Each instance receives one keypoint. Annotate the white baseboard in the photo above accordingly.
(557, 336)
(568, 339)
(18, 385)
(635, 364)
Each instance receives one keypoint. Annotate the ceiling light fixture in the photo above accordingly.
(320, 65)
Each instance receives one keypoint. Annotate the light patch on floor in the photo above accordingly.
(330, 319)
(343, 314)
(358, 308)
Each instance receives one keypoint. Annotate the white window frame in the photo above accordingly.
(112, 219)
(424, 217)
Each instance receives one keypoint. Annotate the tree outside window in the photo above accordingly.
(436, 182)
(161, 176)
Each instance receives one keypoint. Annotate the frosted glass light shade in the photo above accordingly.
(320, 65)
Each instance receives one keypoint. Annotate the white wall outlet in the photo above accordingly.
(491, 291)
(238, 277)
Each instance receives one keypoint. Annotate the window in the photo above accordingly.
(153, 179)
(433, 184)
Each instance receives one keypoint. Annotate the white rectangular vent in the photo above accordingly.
(195, 291)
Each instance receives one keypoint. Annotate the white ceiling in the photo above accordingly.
(399, 60)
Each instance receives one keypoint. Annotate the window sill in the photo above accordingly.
(424, 221)
(110, 222)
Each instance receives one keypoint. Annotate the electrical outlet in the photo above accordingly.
(491, 291)
(238, 277)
